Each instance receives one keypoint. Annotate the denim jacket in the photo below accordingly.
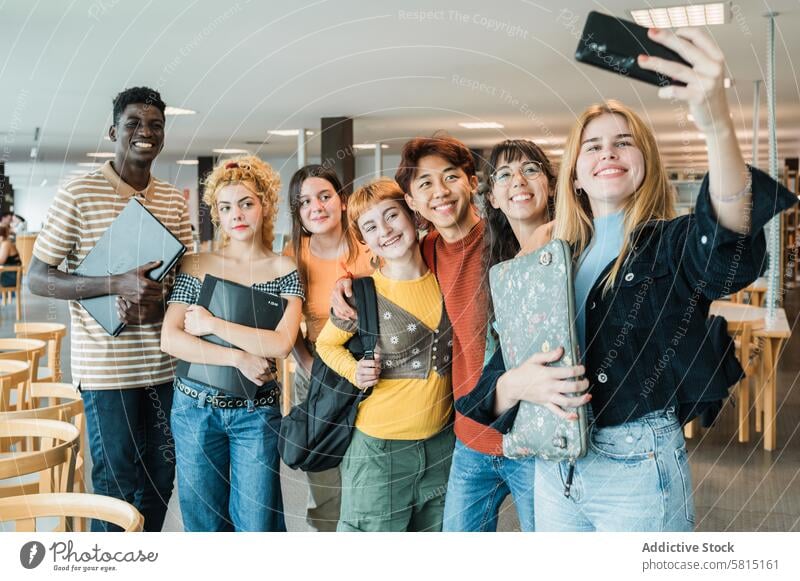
(648, 343)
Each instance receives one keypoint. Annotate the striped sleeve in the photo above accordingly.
(61, 230)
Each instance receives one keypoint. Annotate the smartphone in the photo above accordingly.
(614, 44)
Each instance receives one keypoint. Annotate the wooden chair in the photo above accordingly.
(30, 350)
(71, 403)
(54, 461)
(52, 334)
(7, 292)
(24, 510)
(64, 403)
(14, 376)
(24, 244)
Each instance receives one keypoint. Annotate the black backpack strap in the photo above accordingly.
(367, 308)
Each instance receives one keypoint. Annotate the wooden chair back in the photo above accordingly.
(54, 459)
(24, 244)
(24, 510)
(14, 375)
(30, 350)
(53, 334)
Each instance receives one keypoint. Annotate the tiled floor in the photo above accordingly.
(738, 487)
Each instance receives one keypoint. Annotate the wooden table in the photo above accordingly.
(773, 333)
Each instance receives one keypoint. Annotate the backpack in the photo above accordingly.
(317, 432)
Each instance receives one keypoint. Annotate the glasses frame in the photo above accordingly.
(539, 164)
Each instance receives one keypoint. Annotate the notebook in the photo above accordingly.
(534, 307)
(239, 304)
(134, 238)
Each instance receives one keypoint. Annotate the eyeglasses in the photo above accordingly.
(529, 171)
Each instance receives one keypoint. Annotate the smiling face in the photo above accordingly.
(138, 135)
(320, 207)
(441, 193)
(388, 230)
(241, 213)
(610, 166)
(520, 190)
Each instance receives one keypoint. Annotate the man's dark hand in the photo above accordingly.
(140, 313)
(136, 287)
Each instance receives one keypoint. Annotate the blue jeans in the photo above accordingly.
(228, 465)
(634, 478)
(133, 454)
(478, 485)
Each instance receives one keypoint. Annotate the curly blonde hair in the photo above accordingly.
(257, 176)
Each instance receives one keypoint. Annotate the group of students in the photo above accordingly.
(648, 362)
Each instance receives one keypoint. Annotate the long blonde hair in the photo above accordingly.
(257, 176)
(653, 200)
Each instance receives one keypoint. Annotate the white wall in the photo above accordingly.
(35, 184)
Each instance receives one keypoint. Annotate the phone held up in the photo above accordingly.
(614, 44)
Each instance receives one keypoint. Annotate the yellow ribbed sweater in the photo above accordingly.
(397, 409)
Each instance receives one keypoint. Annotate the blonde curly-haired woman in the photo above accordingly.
(226, 446)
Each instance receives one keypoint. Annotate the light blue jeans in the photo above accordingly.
(635, 478)
(478, 485)
(228, 465)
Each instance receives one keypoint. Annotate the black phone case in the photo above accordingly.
(613, 44)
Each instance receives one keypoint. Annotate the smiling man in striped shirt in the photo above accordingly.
(125, 381)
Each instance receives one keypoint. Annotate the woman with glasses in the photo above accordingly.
(518, 206)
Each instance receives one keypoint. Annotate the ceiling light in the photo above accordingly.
(225, 151)
(288, 132)
(99, 154)
(482, 125)
(178, 111)
(556, 152)
(676, 16)
(187, 162)
(369, 146)
(90, 164)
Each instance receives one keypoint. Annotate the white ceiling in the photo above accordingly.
(250, 66)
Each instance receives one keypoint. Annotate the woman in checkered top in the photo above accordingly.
(226, 444)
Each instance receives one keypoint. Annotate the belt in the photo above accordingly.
(269, 398)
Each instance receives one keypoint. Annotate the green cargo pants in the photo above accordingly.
(395, 485)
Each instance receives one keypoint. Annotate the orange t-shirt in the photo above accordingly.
(320, 278)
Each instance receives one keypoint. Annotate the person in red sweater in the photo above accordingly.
(439, 178)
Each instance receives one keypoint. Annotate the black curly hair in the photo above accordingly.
(144, 95)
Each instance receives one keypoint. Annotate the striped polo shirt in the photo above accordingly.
(82, 210)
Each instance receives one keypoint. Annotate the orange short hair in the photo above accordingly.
(370, 194)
